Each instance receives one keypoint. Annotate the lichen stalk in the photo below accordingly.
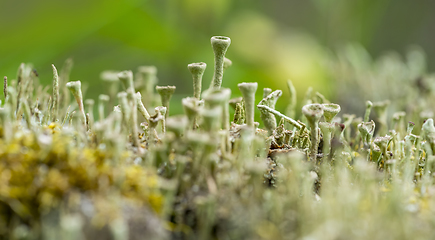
(102, 101)
(267, 117)
(369, 106)
(166, 93)
(141, 107)
(191, 109)
(220, 46)
(212, 119)
(381, 112)
(219, 97)
(5, 86)
(428, 132)
(6, 123)
(20, 85)
(248, 92)
(266, 92)
(291, 107)
(111, 80)
(90, 110)
(162, 111)
(55, 93)
(327, 129)
(197, 70)
(76, 89)
(290, 120)
(313, 113)
(126, 78)
(27, 115)
(147, 77)
(125, 108)
(134, 130)
(382, 143)
(64, 77)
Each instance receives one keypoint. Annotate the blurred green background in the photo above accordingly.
(272, 41)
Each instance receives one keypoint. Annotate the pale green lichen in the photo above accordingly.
(76, 90)
(200, 176)
(197, 70)
(166, 93)
(268, 118)
(55, 93)
(102, 102)
(248, 92)
(220, 46)
(313, 113)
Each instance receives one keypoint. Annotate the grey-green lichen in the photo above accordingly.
(220, 46)
(248, 92)
(197, 70)
(313, 113)
(139, 171)
(165, 93)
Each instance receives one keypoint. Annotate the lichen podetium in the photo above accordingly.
(313, 173)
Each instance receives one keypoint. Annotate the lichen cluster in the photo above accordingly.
(135, 171)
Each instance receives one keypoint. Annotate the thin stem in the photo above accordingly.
(248, 91)
(75, 88)
(220, 46)
(165, 93)
(197, 70)
(147, 76)
(126, 78)
(369, 106)
(19, 85)
(291, 108)
(5, 87)
(313, 113)
(63, 79)
(141, 107)
(278, 114)
(268, 118)
(102, 101)
(133, 102)
(90, 110)
(55, 93)
(266, 92)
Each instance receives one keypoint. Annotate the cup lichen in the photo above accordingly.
(201, 176)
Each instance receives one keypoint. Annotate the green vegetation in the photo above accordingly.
(138, 172)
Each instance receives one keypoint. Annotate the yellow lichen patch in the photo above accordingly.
(35, 178)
